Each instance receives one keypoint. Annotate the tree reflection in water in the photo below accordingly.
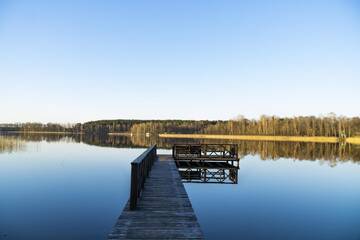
(332, 153)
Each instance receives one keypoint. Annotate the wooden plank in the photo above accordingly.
(163, 211)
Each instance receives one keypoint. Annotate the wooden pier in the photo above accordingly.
(163, 210)
(159, 207)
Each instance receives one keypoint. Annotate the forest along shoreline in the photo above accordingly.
(323, 129)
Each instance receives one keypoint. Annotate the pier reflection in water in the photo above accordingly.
(208, 173)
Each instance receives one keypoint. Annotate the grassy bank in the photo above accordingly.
(354, 140)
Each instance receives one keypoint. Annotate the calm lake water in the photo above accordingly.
(56, 187)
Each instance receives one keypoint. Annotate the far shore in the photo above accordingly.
(353, 140)
(42, 132)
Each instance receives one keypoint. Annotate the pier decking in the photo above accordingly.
(163, 211)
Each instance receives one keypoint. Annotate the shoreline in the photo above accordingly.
(316, 139)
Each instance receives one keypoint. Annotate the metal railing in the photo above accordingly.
(226, 152)
(140, 169)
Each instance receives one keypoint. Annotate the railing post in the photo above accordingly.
(134, 186)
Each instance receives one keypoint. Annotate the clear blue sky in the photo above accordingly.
(70, 61)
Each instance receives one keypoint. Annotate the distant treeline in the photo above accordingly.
(40, 127)
(328, 126)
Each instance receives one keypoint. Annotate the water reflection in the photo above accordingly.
(66, 190)
(11, 144)
(209, 173)
(79, 189)
(330, 153)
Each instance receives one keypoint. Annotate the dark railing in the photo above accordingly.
(226, 152)
(140, 169)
